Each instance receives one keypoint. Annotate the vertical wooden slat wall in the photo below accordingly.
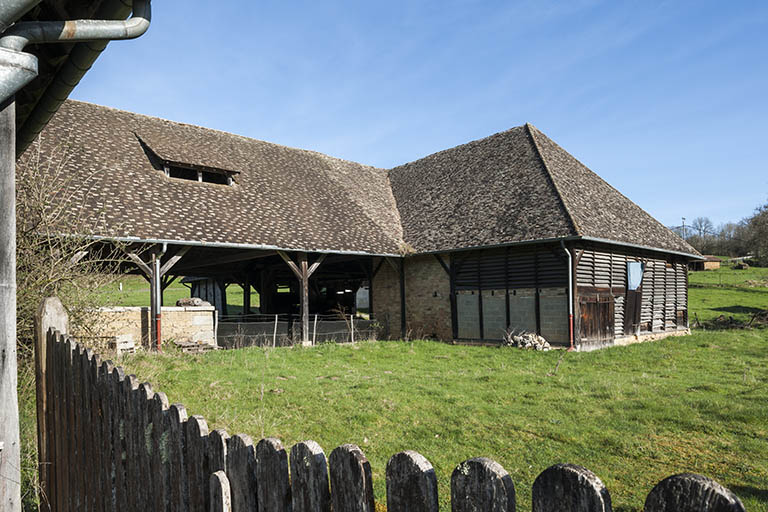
(116, 445)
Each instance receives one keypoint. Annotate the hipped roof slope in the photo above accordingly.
(514, 186)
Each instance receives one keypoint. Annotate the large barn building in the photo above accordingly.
(509, 233)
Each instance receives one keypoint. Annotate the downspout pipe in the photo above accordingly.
(570, 295)
(17, 68)
(12, 10)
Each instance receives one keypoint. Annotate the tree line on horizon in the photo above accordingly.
(745, 238)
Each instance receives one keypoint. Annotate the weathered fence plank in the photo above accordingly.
(95, 421)
(51, 315)
(61, 424)
(309, 478)
(106, 477)
(119, 453)
(221, 500)
(160, 456)
(217, 450)
(569, 488)
(411, 484)
(241, 471)
(351, 480)
(273, 490)
(688, 492)
(69, 389)
(133, 478)
(177, 417)
(198, 465)
(90, 440)
(142, 403)
(481, 484)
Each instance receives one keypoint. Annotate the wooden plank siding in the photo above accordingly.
(601, 275)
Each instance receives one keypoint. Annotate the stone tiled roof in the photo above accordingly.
(510, 187)
(515, 186)
(283, 197)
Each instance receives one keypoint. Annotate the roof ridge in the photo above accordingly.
(548, 171)
(223, 132)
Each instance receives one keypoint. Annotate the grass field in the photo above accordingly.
(728, 292)
(633, 415)
(135, 292)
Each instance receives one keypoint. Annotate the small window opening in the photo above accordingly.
(182, 173)
(214, 177)
(185, 173)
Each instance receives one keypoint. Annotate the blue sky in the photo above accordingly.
(664, 100)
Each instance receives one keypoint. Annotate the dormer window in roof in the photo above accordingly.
(215, 176)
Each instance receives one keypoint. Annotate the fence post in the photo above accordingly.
(352, 328)
(570, 487)
(351, 480)
(411, 484)
(221, 500)
(50, 315)
(197, 461)
(309, 478)
(688, 492)
(314, 330)
(274, 334)
(481, 484)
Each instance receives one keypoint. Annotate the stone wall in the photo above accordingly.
(192, 323)
(428, 299)
(386, 300)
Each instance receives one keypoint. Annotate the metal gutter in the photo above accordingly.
(233, 245)
(564, 239)
(12, 10)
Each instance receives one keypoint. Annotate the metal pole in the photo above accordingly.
(10, 476)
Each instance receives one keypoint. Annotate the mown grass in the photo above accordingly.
(633, 415)
(135, 292)
(728, 292)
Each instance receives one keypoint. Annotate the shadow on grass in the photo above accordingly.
(744, 491)
(746, 310)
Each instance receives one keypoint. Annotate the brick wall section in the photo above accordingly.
(386, 300)
(428, 299)
(193, 323)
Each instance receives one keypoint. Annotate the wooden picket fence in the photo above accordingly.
(114, 444)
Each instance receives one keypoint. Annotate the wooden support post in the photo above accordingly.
(302, 272)
(10, 454)
(402, 298)
(247, 296)
(304, 282)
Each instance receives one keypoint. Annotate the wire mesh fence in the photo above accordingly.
(258, 330)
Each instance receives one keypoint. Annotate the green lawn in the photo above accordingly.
(728, 292)
(135, 292)
(633, 415)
